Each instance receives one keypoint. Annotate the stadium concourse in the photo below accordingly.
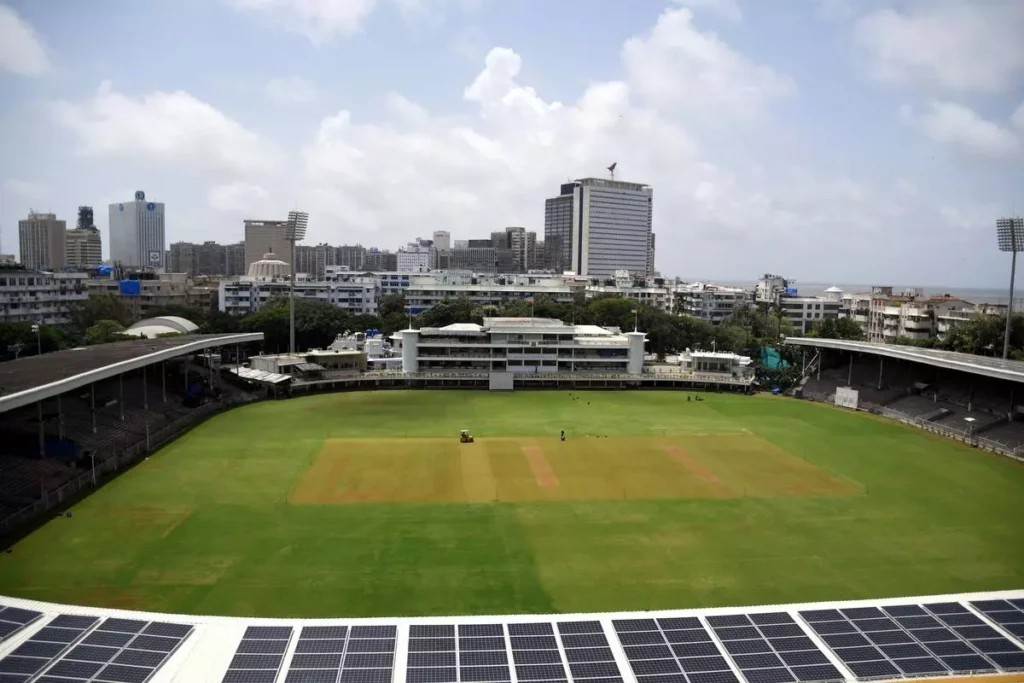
(975, 399)
(935, 636)
(69, 417)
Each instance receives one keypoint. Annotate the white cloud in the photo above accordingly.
(292, 90)
(25, 189)
(1018, 117)
(21, 50)
(968, 134)
(953, 45)
(239, 197)
(318, 20)
(168, 127)
(676, 65)
(724, 9)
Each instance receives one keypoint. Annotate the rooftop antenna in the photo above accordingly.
(611, 169)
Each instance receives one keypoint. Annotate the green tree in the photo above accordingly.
(18, 340)
(104, 332)
(448, 312)
(837, 328)
(104, 306)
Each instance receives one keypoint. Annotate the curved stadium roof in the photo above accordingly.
(165, 324)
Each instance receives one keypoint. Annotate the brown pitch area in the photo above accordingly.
(499, 469)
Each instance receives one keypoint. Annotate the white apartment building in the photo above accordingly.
(484, 290)
(40, 297)
(886, 316)
(803, 311)
(713, 303)
(414, 258)
(355, 292)
(521, 345)
(136, 232)
(623, 285)
(770, 288)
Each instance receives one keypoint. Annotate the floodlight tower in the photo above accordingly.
(1010, 232)
(295, 231)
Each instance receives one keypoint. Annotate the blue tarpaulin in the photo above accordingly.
(131, 288)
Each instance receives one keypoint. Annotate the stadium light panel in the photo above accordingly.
(1010, 234)
(295, 230)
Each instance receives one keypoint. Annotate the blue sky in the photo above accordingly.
(829, 140)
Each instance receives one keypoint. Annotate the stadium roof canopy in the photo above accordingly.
(1010, 370)
(27, 380)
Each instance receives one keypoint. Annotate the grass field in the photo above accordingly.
(367, 505)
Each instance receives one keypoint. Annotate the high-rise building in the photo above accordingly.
(41, 240)
(515, 239)
(414, 258)
(234, 259)
(182, 258)
(83, 246)
(442, 240)
(211, 259)
(482, 260)
(352, 257)
(650, 255)
(266, 237)
(137, 233)
(597, 226)
(499, 239)
(538, 257)
(381, 261)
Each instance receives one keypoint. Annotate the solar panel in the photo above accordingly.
(589, 656)
(104, 655)
(910, 640)
(654, 650)
(45, 646)
(437, 656)
(773, 648)
(339, 654)
(259, 654)
(14, 619)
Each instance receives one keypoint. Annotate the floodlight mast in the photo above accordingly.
(1010, 235)
(295, 231)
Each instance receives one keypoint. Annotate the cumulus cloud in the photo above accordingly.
(21, 50)
(723, 9)
(676, 65)
(169, 127)
(292, 90)
(951, 45)
(239, 197)
(968, 134)
(318, 20)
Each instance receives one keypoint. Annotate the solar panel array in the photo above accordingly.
(339, 654)
(590, 657)
(117, 651)
(13, 619)
(44, 647)
(259, 655)
(913, 640)
(1009, 614)
(772, 648)
(674, 650)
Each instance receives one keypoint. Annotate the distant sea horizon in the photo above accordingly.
(975, 295)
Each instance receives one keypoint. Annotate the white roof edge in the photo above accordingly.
(50, 608)
(912, 354)
(28, 396)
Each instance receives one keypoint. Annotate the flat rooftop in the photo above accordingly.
(33, 378)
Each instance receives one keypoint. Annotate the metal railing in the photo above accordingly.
(116, 459)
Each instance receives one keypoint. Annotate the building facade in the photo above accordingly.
(650, 256)
(521, 345)
(352, 257)
(413, 258)
(601, 225)
(136, 231)
(713, 303)
(646, 292)
(234, 259)
(265, 237)
(803, 311)
(356, 294)
(40, 297)
(41, 239)
(83, 247)
(424, 291)
(442, 240)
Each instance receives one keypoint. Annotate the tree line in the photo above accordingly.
(102, 319)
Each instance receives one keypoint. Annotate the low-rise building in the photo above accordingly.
(886, 316)
(713, 303)
(427, 290)
(803, 311)
(649, 292)
(521, 345)
(716, 363)
(145, 292)
(40, 296)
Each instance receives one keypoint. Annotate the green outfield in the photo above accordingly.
(365, 504)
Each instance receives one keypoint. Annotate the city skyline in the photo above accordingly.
(823, 138)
